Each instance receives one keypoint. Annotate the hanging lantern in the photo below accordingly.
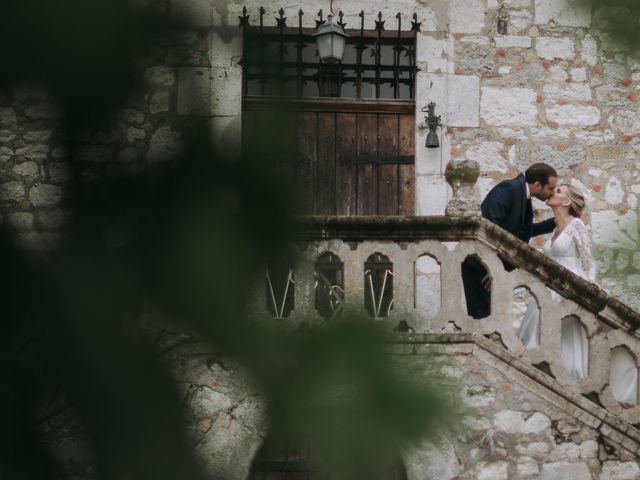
(330, 40)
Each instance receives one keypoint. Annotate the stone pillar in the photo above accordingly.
(462, 175)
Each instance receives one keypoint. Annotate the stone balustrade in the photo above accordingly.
(406, 274)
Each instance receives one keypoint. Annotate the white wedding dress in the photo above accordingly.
(572, 249)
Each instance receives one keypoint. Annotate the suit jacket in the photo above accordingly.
(507, 206)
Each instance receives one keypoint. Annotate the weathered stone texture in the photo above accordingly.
(508, 106)
(551, 48)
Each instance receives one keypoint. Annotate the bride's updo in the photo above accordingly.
(577, 200)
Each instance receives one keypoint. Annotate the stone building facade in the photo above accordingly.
(552, 88)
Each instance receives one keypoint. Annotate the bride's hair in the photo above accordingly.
(577, 200)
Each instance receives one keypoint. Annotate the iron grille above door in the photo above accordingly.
(283, 61)
(347, 155)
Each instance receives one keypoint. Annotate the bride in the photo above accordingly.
(569, 246)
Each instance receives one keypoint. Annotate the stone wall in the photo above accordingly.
(553, 89)
(510, 427)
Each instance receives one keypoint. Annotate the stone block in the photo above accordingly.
(589, 50)
(434, 460)
(565, 13)
(626, 120)
(164, 145)
(134, 134)
(565, 471)
(493, 471)
(569, 114)
(225, 50)
(519, 21)
(589, 449)
(537, 423)
(12, 192)
(432, 194)
(159, 102)
(614, 470)
(551, 48)
(5, 154)
(479, 424)
(614, 192)
(38, 136)
(517, 3)
(528, 469)
(508, 106)
(34, 152)
(612, 230)
(466, 16)
(160, 76)
(26, 169)
(509, 421)
(476, 57)
(489, 155)
(433, 51)
(194, 91)
(7, 136)
(457, 97)
(512, 41)
(45, 195)
(567, 91)
(533, 448)
(578, 74)
(226, 90)
(571, 157)
(565, 451)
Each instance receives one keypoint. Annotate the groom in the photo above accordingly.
(508, 205)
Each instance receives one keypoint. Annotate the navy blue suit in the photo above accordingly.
(507, 206)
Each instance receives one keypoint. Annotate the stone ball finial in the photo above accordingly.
(462, 175)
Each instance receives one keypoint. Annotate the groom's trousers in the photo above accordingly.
(478, 298)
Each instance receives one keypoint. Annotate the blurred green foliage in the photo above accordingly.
(188, 237)
(617, 23)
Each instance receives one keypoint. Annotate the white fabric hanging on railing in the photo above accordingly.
(624, 376)
(528, 331)
(574, 347)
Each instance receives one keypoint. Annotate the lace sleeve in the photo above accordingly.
(581, 238)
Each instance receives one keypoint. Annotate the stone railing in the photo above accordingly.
(406, 273)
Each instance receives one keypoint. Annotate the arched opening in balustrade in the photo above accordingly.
(623, 376)
(574, 346)
(525, 316)
(287, 459)
(279, 284)
(329, 273)
(477, 296)
(428, 286)
(378, 285)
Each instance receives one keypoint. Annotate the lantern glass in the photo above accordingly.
(330, 40)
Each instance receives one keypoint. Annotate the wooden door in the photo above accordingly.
(344, 158)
